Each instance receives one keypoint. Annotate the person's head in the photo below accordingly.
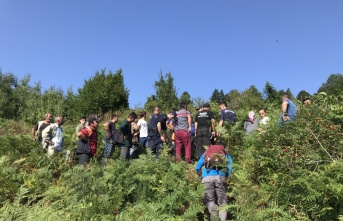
(48, 117)
(206, 106)
(157, 110)
(96, 116)
(183, 105)
(83, 120)
(132, 116)
(251, 115)
(223, 105)
(93, 121)
(285, 97)
(59, 120)
(171, 114)
(142, 114)
(262, 112)
(114, 118)
(307, 101)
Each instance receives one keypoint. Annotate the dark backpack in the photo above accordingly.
(215, 157)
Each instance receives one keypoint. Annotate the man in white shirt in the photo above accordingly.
(53, 136)
(143, 129)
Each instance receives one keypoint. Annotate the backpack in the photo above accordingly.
(215, 157)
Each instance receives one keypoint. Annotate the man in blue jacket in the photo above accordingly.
(214, 180)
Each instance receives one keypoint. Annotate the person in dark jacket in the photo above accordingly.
(125, 129)
(88, 142)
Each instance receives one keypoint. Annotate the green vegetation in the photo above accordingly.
(293, 172)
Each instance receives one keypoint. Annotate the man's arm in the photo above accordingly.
(199, 165)
(33, 131)
(107, 129)
(82, 136)
(171, 124)
(229, 163)
(195, 128)
(213, 126)
(284, 110)
(159, 128)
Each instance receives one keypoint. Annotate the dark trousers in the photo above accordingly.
(84, 158)
(203, 138)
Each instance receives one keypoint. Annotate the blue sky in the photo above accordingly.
(223, 44)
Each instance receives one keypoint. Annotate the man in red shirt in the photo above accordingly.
(88, 142)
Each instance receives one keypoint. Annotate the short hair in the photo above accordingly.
(223, 103)
(83, 117)
(58, 118)
(132, 115)
(183, 105)
(156, 107)
(114, 115)
(47, 114)
(262, 108)
(142, 114)
(286, 95)
(307, 98)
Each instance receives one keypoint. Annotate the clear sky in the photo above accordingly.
(223, 44)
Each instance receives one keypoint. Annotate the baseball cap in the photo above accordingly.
(206, 105)
(172, 112)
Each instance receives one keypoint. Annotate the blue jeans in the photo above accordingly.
(108, 150)
(143, 141)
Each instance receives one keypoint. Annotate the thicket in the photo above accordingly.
(288, 172)
(293, 172)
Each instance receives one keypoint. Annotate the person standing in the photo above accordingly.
(288, 109)
(215, 182)
(135, 139)
(226, 115)
(143, 129)
(88, 142)
(182, 127)
(204, 128)
(52, 137)
(155, 133)
(110, 129)
(125, 129)
(40, 126)
(251, 123)
(79, 127)
(264, 119)
(263, 114)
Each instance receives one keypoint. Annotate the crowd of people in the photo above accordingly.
(176, 129)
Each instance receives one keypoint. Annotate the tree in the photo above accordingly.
(333, 85)
(8, 102)
(186, 98)
(166, 97)
(302, 95)
(217, 96)
(251, 99)
(232, 99)
(69, 105)
(102, 93)
(29, 100)
(270, 93)
(289, 92)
